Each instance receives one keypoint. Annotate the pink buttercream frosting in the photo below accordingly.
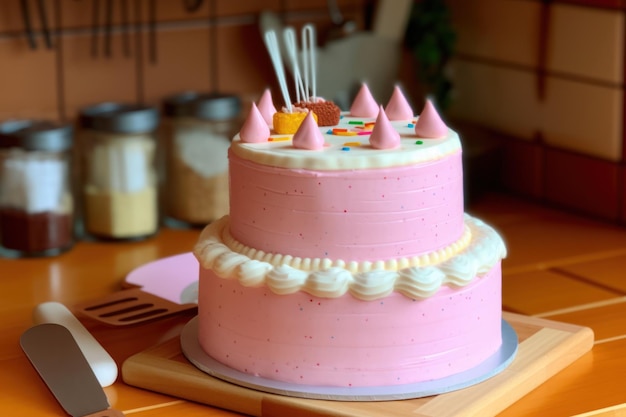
(398, 107)
(429, 123)
(384, 136)
(364, 104)
(266, 107)
(345, 341)
(399, 212)
(308, 135)
(254, 129)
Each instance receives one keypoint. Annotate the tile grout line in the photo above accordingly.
(154, 407)
(581, 307)
(588, 281)
(547, 265)
(603, 411)
(609, 339)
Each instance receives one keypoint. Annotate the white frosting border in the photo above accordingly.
(365, 280)
(281, 153)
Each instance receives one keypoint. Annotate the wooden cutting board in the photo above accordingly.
(546, 347)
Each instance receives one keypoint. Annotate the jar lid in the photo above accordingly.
(215, 106)
(205, 106)
(179, 104)
(36, 135)
(119, 118)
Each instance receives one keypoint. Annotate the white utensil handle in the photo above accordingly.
(99, 359)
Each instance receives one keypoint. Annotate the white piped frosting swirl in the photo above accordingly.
(284, 279)
(329, 283)
(419, 282)
(474, 254)
(373, 284)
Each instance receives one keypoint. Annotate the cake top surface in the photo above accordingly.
(347, 146)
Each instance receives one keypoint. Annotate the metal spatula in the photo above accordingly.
(59, 361)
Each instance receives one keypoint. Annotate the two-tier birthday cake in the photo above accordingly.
(347, 259)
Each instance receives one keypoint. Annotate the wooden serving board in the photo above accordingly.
(546, 347)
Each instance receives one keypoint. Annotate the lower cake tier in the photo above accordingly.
(345, 341)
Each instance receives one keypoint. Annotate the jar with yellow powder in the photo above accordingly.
(119, 187)
(197, 134)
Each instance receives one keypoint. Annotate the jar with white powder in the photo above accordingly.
(119, 186)
(36, 202)
(199, 128)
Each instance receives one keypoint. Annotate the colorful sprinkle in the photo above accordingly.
(364, 132)
(419, 142)
(352, 144)
(329, 132)
(355, 122)
(345, 148)
(347, 133)
(411, 125)
(279, 139)
(339, 129)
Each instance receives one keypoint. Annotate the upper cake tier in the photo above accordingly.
(348, 200)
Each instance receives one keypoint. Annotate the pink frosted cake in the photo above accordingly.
(347, 259)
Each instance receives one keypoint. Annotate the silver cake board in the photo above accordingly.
(490, 367)
(546, 347)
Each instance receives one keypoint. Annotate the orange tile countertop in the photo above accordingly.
(560, 266)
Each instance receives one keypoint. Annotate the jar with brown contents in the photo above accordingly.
(36, 202)
(197, 136)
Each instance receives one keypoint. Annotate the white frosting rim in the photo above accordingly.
(363, 280)
(281, 153)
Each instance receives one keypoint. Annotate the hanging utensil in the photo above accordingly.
(152, 32)
(30, 37)
(43, 18)
(95, 27)
(125, 28)
(108, 27)
(192, 6)
(340, 26)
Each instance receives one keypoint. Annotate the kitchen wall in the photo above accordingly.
(153, 48)
(546, 79)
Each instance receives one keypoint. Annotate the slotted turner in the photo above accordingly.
(162, 288)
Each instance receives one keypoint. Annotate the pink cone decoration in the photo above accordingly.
(266, 107)
(308, 135)
(429, 123)
(384, 136)
(364, 104)
(398, 107)
(254, 129)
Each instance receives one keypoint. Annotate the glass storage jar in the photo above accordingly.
(36, 201)
(196, 141)
(119, 177)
